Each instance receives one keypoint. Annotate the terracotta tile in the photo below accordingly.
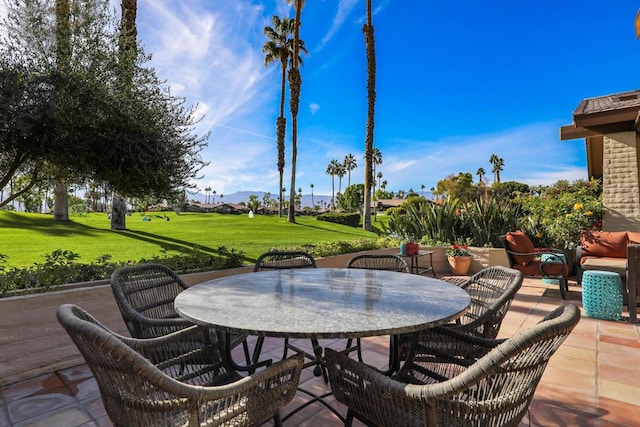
(577, 353)
(4, 416)
(34, 406)
(74, 374)
(94, 407)
(618, 391)
(31, 387)
(627, 342)
(73, 415)
(614, 411)
(622, 374)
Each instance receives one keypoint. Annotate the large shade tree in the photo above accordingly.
(81, 123)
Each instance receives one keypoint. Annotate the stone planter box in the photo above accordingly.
(32, 342)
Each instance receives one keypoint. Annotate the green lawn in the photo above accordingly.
(25, 237)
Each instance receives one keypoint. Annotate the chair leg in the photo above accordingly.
(564, 287)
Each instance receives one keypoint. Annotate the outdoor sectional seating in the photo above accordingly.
(604, 250)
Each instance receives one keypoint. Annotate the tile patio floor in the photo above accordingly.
(593, 379)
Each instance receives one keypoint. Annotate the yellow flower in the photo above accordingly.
(588, 213)
(539, 235)
(577, 206)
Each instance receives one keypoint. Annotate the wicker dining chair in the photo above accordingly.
(379, 262)
(491, 290)
(194, 387)
(285, 260)
(281, 260)
(145, 294)
(454, 388)
(374, 262)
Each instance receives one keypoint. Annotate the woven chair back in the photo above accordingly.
(282, 260)
(147, 290)
(379, 262)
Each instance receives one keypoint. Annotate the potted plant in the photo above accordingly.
(459, 258)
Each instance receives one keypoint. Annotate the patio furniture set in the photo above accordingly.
(444, 359)
(607, 264)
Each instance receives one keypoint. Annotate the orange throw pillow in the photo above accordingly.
(604, 243)
(519, 242)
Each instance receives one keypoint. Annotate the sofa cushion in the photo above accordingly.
(611, 244)
(633, 237)
(550, 269)
(517, 241)
(617, 265)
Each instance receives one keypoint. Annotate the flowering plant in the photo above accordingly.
(457, 250)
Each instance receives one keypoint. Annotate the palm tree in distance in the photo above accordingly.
(379, 179)
(313, 204)
(498, 166)
(422, 187)
(350, 164)
(207, 191)
(214, 197)
(480, 172)
(369, 42)
(279, 48)
(332, 168)
(341, 171)
(295, 81)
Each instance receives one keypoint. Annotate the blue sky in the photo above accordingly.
(456, 82)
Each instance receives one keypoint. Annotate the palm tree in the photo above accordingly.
(207, 191)
(214, 197)
(480, 172)
(295, 81)
(422, 187)
(279, 48)
(369, 42)
(498, 166)
(332, 168)
(221, 197)
(341, 171)
(313, 205)
(350, 164)
(379, 179)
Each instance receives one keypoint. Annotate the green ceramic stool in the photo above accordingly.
(602, 294)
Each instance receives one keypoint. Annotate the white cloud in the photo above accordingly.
(344, 9)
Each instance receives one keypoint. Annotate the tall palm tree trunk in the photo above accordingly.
(281, 126)
(295, 81)
(371, 99)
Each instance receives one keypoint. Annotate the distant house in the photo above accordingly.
(230, 208)
(610, 126)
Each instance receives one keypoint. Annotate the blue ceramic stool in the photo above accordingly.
(602, 294)
(556, 259)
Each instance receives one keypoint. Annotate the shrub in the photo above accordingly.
(351, 219)
(559, 213)
(62, 266)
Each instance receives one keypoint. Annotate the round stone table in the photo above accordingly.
(323, 303)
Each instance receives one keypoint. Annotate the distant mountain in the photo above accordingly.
(243, 196)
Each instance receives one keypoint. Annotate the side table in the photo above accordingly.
(414, 266)
(602, 294)
(556, 259)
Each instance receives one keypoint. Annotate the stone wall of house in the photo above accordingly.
(621, 182)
